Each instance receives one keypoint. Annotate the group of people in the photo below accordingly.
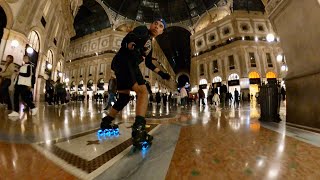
(16, 83)
(214, 97)
(180, 97)
(56, 92)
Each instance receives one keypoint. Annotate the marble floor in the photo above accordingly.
(193, 142)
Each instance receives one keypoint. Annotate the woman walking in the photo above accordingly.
(7, 73)
(23, 88)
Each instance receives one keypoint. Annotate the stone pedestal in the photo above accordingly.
(296, 22)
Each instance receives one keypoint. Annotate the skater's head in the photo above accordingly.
(157, 27)
(9, 59)
(26, 59)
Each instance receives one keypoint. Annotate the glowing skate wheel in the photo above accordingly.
(109, 133)
(105, 132)
(116, 131)
(112, 132)
(144, 145)
(100, 132)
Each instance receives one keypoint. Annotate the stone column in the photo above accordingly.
(296, 22)
(3, 43)
(40, 78)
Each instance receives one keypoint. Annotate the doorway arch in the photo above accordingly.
(3, 21)
(255, 81)
(182, 80)
(271, 75)
(4, 6)
(234, 83)
(216, 83)
(254, 75)
(6, 22)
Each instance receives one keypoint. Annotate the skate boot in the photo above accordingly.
(107, 128)
(140, 138)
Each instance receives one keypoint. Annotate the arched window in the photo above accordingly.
(59, 70)
(80, 86)
(203, 81)
(89, 85)
(233, 77)
(217, 79)
(72, 86)
(90, 82)
(50, 57)
(100, 84)
(101, 81)
(271, 75)
(254, 75)
(59, 66)
(34, 41)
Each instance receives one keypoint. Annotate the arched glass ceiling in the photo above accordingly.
(170, 10)
(91, 17)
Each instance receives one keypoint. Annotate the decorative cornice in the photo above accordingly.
(272, 6)
(93, 55)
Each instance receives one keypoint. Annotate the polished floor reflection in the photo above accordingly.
(193, 142)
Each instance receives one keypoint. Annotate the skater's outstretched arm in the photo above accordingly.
(151, 66)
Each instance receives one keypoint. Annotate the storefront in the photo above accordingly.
(255, 81)
(80, 87)
(233, 84)
(90, 89)
(203, 85)
(73, 86)
(217, 83)
(100, 86)
(271, 77)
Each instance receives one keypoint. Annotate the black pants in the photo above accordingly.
(127, 72)
(201, 100)
(25, 93)
(5, 93)
(50, 97)
(60, 97)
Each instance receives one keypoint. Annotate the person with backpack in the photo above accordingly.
(23, 87)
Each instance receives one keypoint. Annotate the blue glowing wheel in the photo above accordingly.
(111, 132)
(107, 132)
(144, 146)
(100, 132)
(116, 131)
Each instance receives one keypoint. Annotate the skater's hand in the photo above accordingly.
(131, 45)
(164, 75)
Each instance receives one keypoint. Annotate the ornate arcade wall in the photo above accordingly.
(296, 24)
